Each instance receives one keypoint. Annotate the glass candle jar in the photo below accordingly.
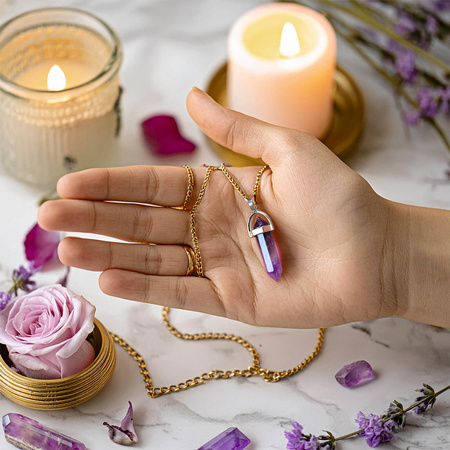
(59, 93)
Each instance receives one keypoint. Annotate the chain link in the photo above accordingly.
(190, 188)
(255, 369)
(237, 187)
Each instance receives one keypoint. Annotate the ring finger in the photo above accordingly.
(99, 256)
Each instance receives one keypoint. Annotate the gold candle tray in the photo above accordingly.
(345, 130)
(64, 392)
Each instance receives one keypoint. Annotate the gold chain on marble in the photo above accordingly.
(255, 369)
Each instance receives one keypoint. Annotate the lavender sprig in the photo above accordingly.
(386, 30)
(22, 281)
(375, 429)
(393, 81)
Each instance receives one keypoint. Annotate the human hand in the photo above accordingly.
(330, 226)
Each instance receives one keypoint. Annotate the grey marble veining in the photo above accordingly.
(169, 46)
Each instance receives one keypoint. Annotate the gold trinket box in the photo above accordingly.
(66, 392)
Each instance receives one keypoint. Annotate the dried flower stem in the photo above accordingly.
(393, 82)
(374, 11)
(373, 23)
(420, 12)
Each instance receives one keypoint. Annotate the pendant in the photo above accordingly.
(262, 230)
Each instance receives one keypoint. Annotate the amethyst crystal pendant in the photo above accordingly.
(29, 434)
(262, 230)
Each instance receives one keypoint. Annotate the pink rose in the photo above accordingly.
(45, 332)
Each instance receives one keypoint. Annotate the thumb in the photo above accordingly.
(238, 132)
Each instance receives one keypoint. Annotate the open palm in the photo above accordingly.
(330, 227)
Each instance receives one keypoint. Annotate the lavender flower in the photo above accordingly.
(405, 24)
(299, 441)
(432, 26)
(404, 61)
(441, 5)
(5, 298)
(427, 101)
(374, 429)
(428, 399)
(22, 279)
(412, 118)
(418, 32)
(397, 414)
(444, 95)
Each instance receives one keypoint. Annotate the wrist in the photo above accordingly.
(396, 258)
(416, 265)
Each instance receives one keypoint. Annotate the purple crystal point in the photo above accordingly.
(354, 374)
(230, 439)
(269, 251)
(29, 434)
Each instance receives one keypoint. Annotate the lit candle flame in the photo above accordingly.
(289, 45)
(56, 80)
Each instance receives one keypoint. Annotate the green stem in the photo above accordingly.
(386, 30)
(355, 433)
(374, 11)
(50, 195)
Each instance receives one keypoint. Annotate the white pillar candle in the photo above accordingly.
(59, 93)
(281, 64)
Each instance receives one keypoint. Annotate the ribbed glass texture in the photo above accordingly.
(45, 134)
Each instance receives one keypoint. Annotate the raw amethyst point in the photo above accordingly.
(354, 374)
(230, 439)
(29, 434)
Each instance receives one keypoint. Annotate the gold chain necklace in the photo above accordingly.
(255, 369)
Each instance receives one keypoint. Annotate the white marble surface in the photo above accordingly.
(170, 45)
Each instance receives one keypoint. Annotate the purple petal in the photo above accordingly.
(41, 247)
(412, 118)
(5, 298)
(427, 99)
(163, 136)
(127, 422)
(125, 434)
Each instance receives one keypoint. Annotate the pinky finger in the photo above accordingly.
(191, 293)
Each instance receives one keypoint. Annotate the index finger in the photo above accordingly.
(157, 185)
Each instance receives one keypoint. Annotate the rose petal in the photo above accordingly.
(163, 136)
(78, 361)
(41, 246)
(33, 367)
(125, 434)
(50, 366)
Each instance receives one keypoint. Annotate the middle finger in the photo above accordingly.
(129, 222)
